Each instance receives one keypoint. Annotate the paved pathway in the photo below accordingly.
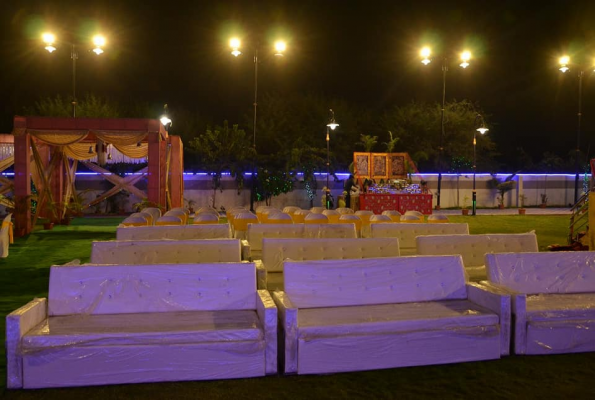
(511, 211)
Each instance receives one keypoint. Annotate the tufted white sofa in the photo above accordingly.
(348, 315)
(165, 251)
(275, 251)
(553, 299)
(182, 232)
(406, 233)
(143, 323)
(252, 247)
(473, 248)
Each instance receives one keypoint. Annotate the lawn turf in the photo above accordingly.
(24, 275)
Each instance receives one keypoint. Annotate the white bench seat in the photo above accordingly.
(144, 328)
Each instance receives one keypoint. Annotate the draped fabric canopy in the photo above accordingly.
(71, 142)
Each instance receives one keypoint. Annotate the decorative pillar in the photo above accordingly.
(155, 150)
(22, 183)
(176, 169)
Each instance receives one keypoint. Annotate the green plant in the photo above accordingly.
(465, 202)
(544, 198)
(390, 145)
(145, 203)
(522, 199)
(368, 142)
(501, 186)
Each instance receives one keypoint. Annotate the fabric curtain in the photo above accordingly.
(134, 151)
(58, 138)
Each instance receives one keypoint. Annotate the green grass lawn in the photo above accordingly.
(24, 275)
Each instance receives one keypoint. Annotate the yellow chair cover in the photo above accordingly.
(10, 231)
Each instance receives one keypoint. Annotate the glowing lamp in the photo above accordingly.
(280, 47)
(235, 43)
(465, 57)
(49, 39)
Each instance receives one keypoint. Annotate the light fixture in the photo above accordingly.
(280, 47)
(99, 42)
(138, 144)
(49, 39)
(235, 43)
(564, 61)
(482, 130)
(465, 57)
(165, 120)
(109, 156)
(332, 123)
(91, 150)
(425, 54)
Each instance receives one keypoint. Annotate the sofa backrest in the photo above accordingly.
(165, 251)
(330, 231)
(257, 232)
(473, 248)
(181, 232)
(116, 289)
(406, 233)
(552, 272)
(275, 251)
(333, 283)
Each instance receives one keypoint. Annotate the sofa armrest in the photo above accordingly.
(246, 254)
(288, 320)
(18, 323)
(519, 310)
(267, 313)
(261, 275)
(498, 302)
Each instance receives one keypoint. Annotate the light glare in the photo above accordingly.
(234, 43)
(425, 52)
(165, 120)
(99, 40)
(465, 56)
(564, 60)
(482, 130)
(48, 38)
(280, 47)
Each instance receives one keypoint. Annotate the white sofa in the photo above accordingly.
(165, 251)
(143, 323)
(252, 246)
(406, 233)
(275, 251)
(348, 315)
(553, 299)
(473, 248)
(182, 232)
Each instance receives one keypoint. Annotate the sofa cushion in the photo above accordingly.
(531, 273)
(182, 232)
(406, 233)
(257, 232)
(335, 283)
(274, 251)
(144, 329)
(392, 318)
(548, 307)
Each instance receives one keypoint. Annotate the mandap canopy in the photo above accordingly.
(49, 150)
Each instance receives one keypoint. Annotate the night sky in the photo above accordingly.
(363, 51)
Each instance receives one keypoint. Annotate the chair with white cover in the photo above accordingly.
(240, 223)
(317, 210)
(437, 219)
(365, 216)
(417, 214)
(380, 219)
(394, 215)
(260, 210)
(184, 210)
(412, 219)
(299, 216)
(229, 213)
(134, 221)
(332, 215)
(144, 215)
(169, 220)
(352, 219)
(6, 236)
(314, 218)
(154, 211)
(290, 209)
(345, 210)
(206, 218)
(278, 218)
(177, 213)
(264, 215)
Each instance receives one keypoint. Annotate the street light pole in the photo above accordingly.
(465, 56)
(482, 129)
(74, 55)
(332, 124)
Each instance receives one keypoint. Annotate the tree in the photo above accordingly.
(390, 145)
(417, 125)
(91, 106)
(368, 142)
(224, 149)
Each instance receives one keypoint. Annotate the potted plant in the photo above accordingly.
(501, 187)
(465, 208)
(522, 199)
(47, 224)
(543, 200)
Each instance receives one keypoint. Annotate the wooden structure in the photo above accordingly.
(49, 149)
(383, 165)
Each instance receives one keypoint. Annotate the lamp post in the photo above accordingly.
(564, 63)
(280, 47)
(165, 119)
(482, 129)
(425, 54)
(332, 124)
(50, 39)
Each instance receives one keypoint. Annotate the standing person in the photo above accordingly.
(347, 185)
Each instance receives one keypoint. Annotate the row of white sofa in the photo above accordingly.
(106, 324)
